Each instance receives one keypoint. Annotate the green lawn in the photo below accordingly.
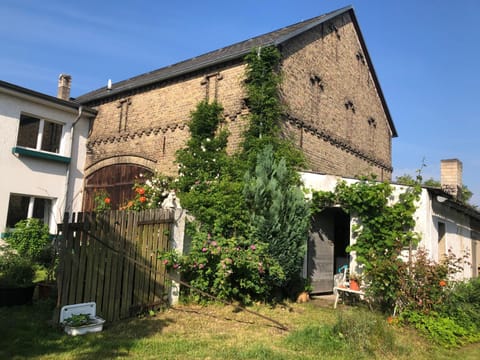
(219, 332)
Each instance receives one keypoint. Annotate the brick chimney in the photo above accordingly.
(451, 177)
(64, 84)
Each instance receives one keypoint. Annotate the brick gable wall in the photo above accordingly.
(332, 100)
(322, 74)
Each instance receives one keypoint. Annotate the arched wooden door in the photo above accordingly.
(117, 181)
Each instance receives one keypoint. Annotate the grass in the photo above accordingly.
(221, 332)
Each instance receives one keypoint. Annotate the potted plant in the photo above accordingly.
(47, 266)
(304, 296)
(79, 319)
(31, 239)
(355, 282)
(16, 279)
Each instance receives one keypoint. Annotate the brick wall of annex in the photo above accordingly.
(333, 103)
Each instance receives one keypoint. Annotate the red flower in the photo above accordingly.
(107, 200)
(442, 283)
(142, 199)
(140, 191)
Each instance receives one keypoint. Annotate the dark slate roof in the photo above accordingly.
(6, 86)
(451, 202)
(232, 52)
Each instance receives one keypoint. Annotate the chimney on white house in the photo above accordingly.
(64, 84)
(451, 177)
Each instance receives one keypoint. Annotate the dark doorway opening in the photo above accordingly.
(329, 238)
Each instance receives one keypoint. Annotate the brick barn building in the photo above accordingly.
(335, 109)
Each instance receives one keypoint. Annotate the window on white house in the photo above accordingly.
(22, 207)
(442, 246)
(39, 134)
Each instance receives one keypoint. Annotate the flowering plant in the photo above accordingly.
(102, 201)
(233, 269)
(149, 192)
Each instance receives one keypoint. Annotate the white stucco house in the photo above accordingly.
(42, 154)
(443, 223)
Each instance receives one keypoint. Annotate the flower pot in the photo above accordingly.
(354, 285)
(47, 290)
(303, 297)
(16, 296)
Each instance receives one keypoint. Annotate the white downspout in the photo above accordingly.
(67, 180)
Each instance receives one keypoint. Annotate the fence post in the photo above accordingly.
(177, 242)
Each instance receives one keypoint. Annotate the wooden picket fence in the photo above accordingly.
(112, 259)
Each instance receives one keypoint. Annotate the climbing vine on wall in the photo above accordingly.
(385, 228)
(262, 84)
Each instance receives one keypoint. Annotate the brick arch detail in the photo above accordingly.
(148, 164)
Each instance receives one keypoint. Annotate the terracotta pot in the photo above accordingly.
(354, 285)
(47, 290)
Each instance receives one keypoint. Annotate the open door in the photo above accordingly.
(329, 237)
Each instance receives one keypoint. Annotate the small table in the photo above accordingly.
(347, 290)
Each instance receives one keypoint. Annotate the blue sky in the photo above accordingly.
(425, 53)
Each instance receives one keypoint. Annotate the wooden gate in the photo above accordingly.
(111, 259)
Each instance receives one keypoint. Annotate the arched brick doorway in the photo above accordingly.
(117, 180)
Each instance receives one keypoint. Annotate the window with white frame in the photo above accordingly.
(22, 207)
(39, 134)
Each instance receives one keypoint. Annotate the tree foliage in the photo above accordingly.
(205, 156)
(266, 111)
(209, 184)
(278, 213)
(407, 179)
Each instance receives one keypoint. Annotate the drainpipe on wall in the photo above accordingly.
(67, 180)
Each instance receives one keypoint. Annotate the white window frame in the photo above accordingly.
(41, 128)
(48, 210)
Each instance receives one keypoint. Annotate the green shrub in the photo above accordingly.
(439, 328)
(31, 239)
(462, 303)
(15, 270)
(423, 284)
(231, 269)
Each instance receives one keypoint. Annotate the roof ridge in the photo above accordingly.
(229, 52)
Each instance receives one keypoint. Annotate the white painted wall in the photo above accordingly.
(40, 177)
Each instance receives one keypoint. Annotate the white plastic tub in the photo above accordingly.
(86, 308)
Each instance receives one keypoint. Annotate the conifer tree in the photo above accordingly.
(278, 213)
